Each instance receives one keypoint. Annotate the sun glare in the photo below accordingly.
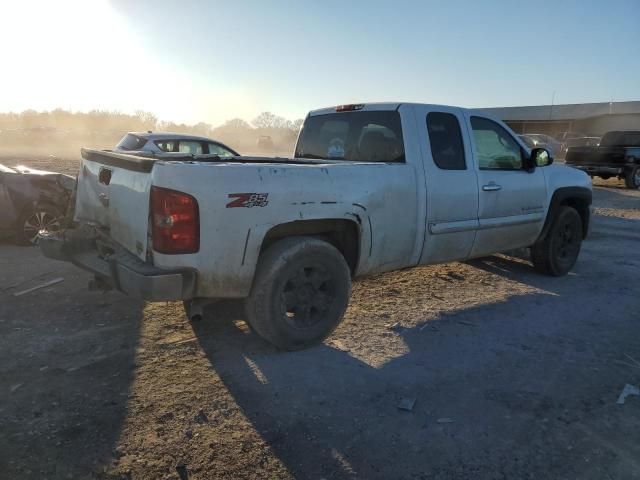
(83, 55)
(63, 54)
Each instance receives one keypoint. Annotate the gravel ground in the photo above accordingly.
(514, 375)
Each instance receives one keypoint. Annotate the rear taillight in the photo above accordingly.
(175, 221)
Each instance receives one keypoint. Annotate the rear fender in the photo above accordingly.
(237, 280)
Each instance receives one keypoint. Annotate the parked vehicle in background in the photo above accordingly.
(265, 143)
(617, 155)
(528, 141)
(592, 141)
(160, 143)
(371, 188)
(540, 140)
(565, 138)
(32, 202)
(584, 141)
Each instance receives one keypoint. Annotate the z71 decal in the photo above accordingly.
(248, 200)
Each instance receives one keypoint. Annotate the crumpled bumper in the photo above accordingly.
(116, 268)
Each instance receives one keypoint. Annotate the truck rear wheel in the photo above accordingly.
(557, 252)
(300, 292)
(632, 177)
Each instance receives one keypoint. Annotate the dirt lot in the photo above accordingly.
(514, 375)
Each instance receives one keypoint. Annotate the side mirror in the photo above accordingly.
(540, 157)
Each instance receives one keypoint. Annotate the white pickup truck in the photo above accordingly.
(371, 188)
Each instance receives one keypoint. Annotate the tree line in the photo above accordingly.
(103, 129)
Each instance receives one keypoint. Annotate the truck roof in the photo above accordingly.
(391, 106)
(171, 136)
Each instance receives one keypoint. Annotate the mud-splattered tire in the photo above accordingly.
(557, 252)
(300, 292)
(632, 178)
(35, 219)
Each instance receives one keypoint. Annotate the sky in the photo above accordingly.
(191, 61)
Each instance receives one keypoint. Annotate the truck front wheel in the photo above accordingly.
(557, 252)
(300, 292)
(632, 177)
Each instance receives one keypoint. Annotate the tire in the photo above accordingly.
(35, 219)
(300, 292)
(632, 178)
(557, 252)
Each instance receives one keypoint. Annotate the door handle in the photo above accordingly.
(491, 187)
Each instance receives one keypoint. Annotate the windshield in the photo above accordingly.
(352, 136)
(621, 139)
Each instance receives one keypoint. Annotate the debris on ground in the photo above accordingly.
(444, 420)
(455, 276)
(15, 387)
(22, 281)
(38, 287)
(626, 391)
(393, 326)
(407, 404)
(182, 471)
(201, 417)
(636, 362)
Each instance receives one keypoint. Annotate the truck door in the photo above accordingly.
(451, 184)
(511, 199)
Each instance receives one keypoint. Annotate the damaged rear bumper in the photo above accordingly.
(119, 269)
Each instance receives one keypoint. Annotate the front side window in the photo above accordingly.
(445, 138)
(495, 147)
(352, 136)
(190, 147)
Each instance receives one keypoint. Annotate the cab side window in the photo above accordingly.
(194, 148)
(167, 145)
(216, 149)
(445, 138)
(495, 147)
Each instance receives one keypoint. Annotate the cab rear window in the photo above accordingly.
(353, 136)
(131, 142)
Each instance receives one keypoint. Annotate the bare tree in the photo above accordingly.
(264, 120)
(236, 124)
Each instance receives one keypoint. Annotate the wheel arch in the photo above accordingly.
(579, 198)
(344, 234)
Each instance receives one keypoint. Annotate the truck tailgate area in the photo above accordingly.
(113, 194)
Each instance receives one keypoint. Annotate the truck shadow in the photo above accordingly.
(68, 363)
(482, 379)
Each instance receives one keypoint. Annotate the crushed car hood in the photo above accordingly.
(26, 187)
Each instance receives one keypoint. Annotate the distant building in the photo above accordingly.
(587, 118)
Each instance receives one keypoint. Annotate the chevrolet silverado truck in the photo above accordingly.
(371, 188)
(617, 155)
